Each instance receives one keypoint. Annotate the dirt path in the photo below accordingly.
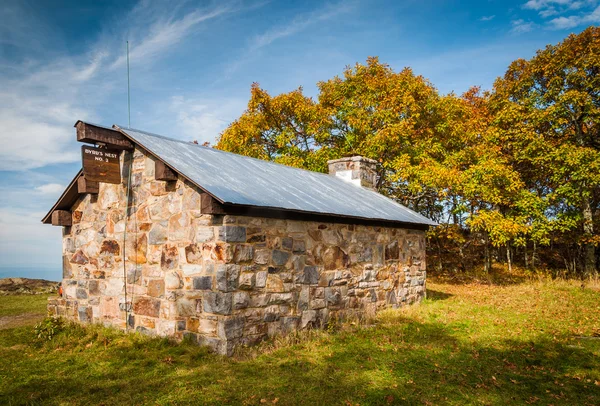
(20, 320)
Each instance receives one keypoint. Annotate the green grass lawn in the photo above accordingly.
(533, 342)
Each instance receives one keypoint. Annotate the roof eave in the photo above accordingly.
(66, 199)
(319, 216)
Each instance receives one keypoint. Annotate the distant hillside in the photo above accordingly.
(24, 286)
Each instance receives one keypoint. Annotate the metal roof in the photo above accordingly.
(240, 180)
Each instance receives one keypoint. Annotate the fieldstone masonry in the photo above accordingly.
(169, 269)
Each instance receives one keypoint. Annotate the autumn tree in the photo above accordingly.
(289, 129)
(548, 113)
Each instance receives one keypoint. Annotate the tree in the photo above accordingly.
(287, 129)
(548, 111)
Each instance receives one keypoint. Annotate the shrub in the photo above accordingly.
(46, 329)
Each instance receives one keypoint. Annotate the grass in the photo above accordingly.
(524, 343)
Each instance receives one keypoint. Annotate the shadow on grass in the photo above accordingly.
(497, 277)
(435, 295)
(401, 361)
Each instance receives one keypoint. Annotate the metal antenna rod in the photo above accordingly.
(128, 91)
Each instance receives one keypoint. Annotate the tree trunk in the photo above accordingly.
(589, 262)
(439, 247)
(533, 254)
(508, 257)
(461, 255)
(454, 216)
(487, 261)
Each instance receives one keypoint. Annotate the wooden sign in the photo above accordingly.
(101, 164)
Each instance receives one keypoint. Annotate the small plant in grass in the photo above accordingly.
(48, 328)
(333, 325)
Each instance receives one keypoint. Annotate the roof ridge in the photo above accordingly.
(164, 137)
(221, 151)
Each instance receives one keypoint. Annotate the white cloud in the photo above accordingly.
(487, 18)
(563, 23)
(548, 12)
(550, 8)
(576, 5)
(204, 120)
(24, 201)
(540, 5)
(87, 72)
(51, 189)
(521, 26)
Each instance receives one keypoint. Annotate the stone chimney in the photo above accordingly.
(357, 170)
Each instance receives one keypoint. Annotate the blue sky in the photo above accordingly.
(192, 64)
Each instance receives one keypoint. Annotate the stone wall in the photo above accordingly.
(224, 280)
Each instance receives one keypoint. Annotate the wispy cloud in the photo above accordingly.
(448, 70)
(203, 119)
(487, 18)
(294, 26)
(562, 4)
(167, 32)
(38, 117)
(548, 12)
(300, 23)
(563, 23)
(52, 189)
(557, 15)
(586, 12)
(44, 95)
(39, 91)
(521, 26)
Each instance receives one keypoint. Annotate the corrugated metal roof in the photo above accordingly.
(239, 180)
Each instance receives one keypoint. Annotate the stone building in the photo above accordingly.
(227, 249)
